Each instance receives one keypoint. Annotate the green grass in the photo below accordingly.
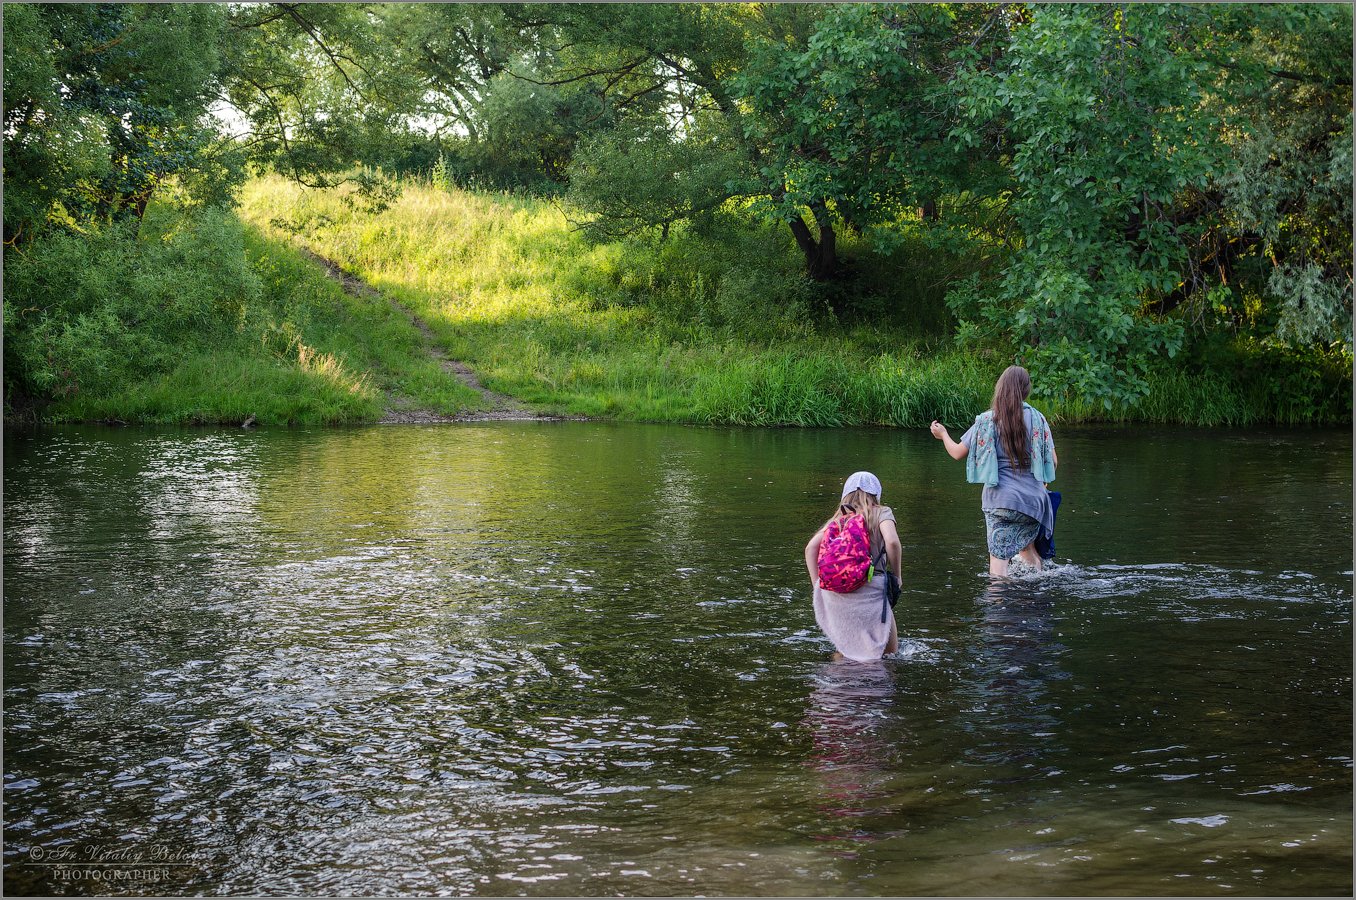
(223, 386)
(202, 319)
(346, 336)
(213, 317)
(716, 327)
(700, 328)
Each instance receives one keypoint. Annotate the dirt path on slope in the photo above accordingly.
(402, 410)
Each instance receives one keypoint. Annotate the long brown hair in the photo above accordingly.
(1013, 387)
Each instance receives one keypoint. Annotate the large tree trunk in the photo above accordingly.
(140, 202)
(821, 256)
(825, 264)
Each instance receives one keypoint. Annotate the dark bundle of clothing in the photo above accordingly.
(1045, 545)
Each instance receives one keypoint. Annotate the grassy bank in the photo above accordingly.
(683, 330)
(199, 318)
(213, 317)
(718, 326)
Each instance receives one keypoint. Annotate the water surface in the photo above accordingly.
(580, 658)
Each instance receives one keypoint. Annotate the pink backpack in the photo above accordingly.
(845, 555)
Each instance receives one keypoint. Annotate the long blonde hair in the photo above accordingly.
(859, 501)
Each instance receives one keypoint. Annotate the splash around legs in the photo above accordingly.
(999, 568)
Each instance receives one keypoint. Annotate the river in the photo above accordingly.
(580, 658)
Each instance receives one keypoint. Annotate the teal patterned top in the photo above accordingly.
(981, 465)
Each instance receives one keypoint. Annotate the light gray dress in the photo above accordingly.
(853, 621)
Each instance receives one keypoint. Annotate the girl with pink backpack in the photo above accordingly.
(854, 566)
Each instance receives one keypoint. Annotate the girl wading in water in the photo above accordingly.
(851, 560)
(1009, 450)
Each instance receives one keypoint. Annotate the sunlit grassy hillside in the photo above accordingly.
(715, 327)
(707, 328)
(197, 318)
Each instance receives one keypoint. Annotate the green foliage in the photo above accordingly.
(87, 310)
(855, 116)
(1285, 194)
(700, 278)
(1123, 163)
(814, 388)
(488, 91)
(667, 75)
(1314, 306)
(642, 175)
(197, 319)
(104, 105)
(318, 92)
(527, 130)
(453, 52)
(1098, 102)
(637, 328)
(1269, 381)
(900, 279)
(441, 177)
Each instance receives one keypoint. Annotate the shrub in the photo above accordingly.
(85, 311)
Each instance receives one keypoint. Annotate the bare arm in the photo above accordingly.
(954, 449)
(812, 557)
(893, 551)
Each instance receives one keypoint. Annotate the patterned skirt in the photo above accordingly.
(1009, 531)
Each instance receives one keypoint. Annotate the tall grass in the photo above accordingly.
(1264, 388)
(717, 326)
(198, 318)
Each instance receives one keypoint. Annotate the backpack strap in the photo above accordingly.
(885, 593)
(886, 602)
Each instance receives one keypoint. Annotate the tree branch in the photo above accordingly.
(622, 71)
(310, 30)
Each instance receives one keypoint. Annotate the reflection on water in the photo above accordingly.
(518, 658)
(850, 715)
(1014, 661)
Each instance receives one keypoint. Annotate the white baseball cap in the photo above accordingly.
(864, 480)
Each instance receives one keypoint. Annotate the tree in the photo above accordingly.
(488, 100)
(108, 103)
(1101, 105)
(841, 114)
(103, 105)
(1165, 162)
(1283, 214)
(317, 91)
(673, 70)
(455, 51)
(852, 121)
(641, 175)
